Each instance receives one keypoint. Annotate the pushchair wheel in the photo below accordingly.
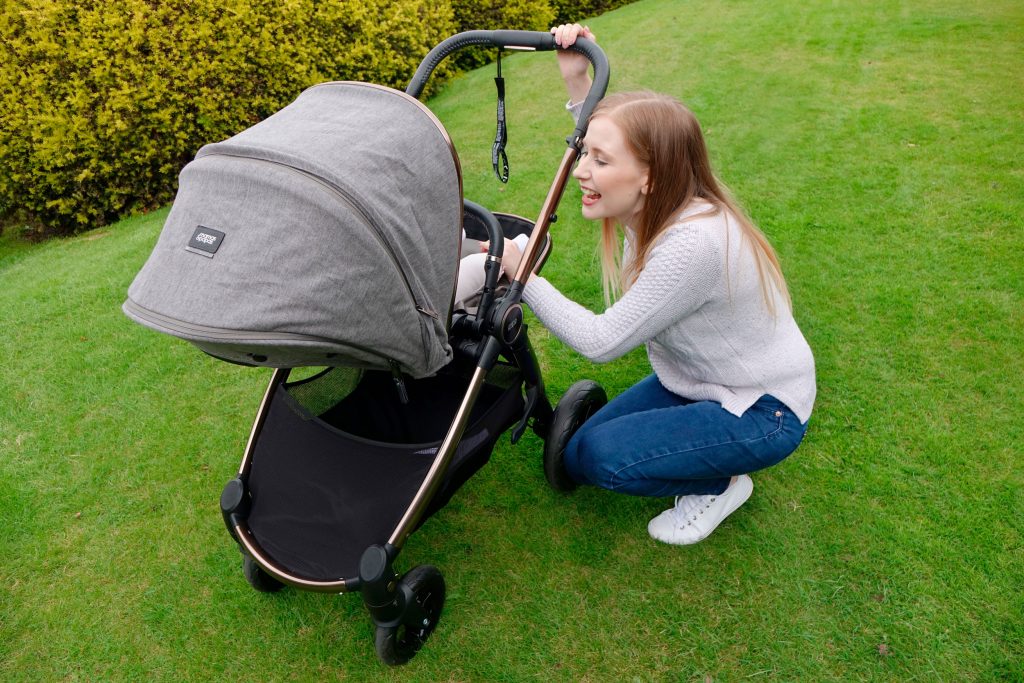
(257, 578)
(583, 399)
(398, 644)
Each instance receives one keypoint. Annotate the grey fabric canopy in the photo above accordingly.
(327, 234)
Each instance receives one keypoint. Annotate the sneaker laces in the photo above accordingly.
(688, 508)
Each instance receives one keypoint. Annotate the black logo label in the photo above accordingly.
(205, 241)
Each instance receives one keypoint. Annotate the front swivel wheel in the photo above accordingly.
(257, 577)
(399, 643)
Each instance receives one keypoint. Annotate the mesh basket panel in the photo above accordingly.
(317, 394)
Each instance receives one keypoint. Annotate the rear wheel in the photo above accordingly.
(398, 644)
(583, 399)
(258, 578)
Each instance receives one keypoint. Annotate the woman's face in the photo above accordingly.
(612, 179)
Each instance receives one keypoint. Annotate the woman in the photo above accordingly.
(700, 286)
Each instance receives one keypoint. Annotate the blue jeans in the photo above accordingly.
(650, 442)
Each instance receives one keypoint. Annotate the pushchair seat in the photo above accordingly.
(340, 457)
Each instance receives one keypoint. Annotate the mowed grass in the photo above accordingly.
(877, 144)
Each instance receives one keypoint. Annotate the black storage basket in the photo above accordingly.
(340, 458)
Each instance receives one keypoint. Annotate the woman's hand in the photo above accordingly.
(510, 257)
(573, 65)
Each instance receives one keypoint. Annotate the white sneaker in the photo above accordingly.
(693, 518)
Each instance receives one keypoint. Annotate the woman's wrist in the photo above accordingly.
(578, 87)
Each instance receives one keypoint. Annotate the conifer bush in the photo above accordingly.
(105, 102)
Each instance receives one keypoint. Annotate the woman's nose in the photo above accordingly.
(580, 171)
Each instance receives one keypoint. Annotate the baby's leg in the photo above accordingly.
(471, 278)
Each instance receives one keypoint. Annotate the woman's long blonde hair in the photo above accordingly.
(665, 136)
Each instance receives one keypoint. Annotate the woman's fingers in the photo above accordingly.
(566, 34)
(510, 258)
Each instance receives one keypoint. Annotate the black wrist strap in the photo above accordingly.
(501, 136)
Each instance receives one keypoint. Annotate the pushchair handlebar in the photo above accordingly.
(506, 317)
(519, 40)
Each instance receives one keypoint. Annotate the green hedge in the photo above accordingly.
(105, 102)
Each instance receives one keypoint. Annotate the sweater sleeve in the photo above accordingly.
(574, 109)
(681, 271)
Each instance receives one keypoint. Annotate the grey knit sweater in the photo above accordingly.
(699, 309)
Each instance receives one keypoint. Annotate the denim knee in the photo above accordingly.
(597, 462)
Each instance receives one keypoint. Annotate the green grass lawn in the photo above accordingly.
(879, 145)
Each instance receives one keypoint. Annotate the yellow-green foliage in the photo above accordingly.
(103, 102)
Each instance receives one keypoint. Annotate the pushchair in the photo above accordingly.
(324, 242)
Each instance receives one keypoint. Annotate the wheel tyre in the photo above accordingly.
(398, 644)
(257, 578)
(583, 399)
